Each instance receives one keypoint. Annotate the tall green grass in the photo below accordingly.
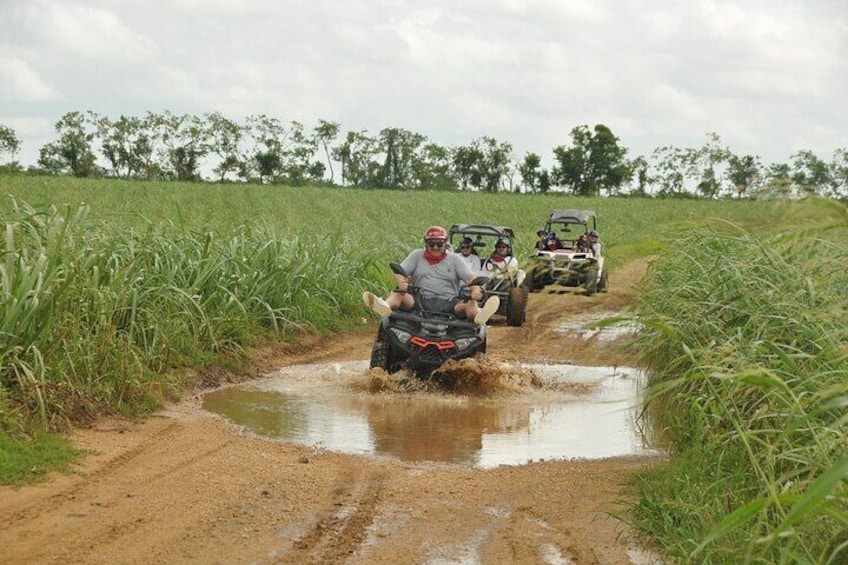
(94, 318)
(746, 344)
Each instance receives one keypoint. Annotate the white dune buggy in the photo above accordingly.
(506, 280)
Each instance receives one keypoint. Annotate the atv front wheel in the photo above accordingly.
(381, 355)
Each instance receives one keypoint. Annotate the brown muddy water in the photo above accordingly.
(484, 415)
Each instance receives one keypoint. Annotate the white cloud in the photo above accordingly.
(72, 29)
(22, 84)
(766, 76)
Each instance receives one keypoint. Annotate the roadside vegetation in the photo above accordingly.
(115, 294)
(746, 345)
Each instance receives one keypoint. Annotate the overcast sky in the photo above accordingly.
(766, 75)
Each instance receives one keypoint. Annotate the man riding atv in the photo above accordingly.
(441, 274)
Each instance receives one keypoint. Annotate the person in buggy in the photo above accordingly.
(542, 244)
(594, 245)
(552, 242)
(581, 244)
(500, 257)
(441, 273)
(466, 251)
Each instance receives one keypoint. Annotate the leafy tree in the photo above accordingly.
(9, 143)
(593, 163)
(671, 164)
(432, 169)
(811, 174)
(839, 170)
(531, 171)
(127, 145)
(744, 173)
(640, 169)
(297, 154)
(355, 154)
(778, 180)
(400, 148)
(703, 165)
(268, 135)
(225, 139)
(497, 164)
(467, 162)
(485, 165)
(72, 152)
(544, 181)
(186, 141)
(326, 132)
(283, 154)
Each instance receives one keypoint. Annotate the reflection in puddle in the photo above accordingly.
(603, 326)
(325, 406)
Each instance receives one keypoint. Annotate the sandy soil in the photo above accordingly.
(185, 487)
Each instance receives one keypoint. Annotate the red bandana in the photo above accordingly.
(433, 259)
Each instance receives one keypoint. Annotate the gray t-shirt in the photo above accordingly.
(440, 279)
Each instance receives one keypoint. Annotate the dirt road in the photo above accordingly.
(185, 487)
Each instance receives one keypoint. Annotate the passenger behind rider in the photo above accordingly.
(440, 273)
(466, 251)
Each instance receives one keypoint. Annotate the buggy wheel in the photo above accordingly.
(603, 284)
(526, 292)
(591, 282)
(515, 306)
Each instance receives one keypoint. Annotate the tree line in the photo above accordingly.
(263, 149)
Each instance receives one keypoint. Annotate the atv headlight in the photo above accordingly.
(464, 343)
(402, 336)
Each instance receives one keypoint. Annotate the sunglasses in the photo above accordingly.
(435, 244)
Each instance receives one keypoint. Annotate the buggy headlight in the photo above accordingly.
(402, 336)
(464, 343)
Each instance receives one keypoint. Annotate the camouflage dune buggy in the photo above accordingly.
(566, 265)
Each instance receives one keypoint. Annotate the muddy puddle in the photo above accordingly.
(482, 414)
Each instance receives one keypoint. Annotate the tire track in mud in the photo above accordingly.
(335, 537)
(90, 479)
(107, 496)
(130, 520)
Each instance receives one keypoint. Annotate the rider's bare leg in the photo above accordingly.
(400, 301)
(466, 310)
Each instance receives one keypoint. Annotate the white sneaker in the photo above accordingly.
(489, 308)
(377, 304)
